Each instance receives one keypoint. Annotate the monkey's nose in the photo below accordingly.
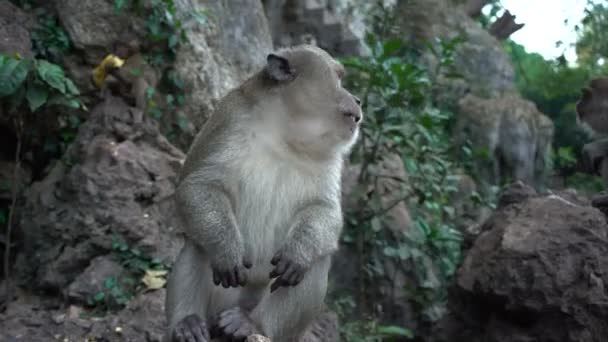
(356, 117)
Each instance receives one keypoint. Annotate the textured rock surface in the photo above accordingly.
(15, 28)
(222, 53)
(116, 180)
(91, 281)
(537, 273)
(36, 320)
(94, 25)
(481, 60)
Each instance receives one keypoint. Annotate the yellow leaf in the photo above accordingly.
(154, 279)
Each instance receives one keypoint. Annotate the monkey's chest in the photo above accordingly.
(268, 199)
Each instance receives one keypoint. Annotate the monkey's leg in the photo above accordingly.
(192, 298)
(285, 314)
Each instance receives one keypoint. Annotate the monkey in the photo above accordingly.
(132, 75)
(592, 115)
(258, 199)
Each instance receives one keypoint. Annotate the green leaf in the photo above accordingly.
(119, 5)
(390, 47)
(36, 96)
(12, 74)
(52, 74)
(110, 282)
(391, 330)
(71, 87)
(99, 296)
(173, 40)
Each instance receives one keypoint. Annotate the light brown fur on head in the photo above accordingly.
(592, 108)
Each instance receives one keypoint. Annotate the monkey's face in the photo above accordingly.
(322, 116)
(592, 108)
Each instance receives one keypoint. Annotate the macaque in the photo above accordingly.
(126, 74)
(259, 203)
(592, 113)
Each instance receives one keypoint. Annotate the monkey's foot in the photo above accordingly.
(191, 329)
(236, 325)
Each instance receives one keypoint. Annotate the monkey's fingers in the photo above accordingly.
(290, 275)
(276, 258)
(216, 277)
(240, 276)
(178, 335)
(278, 283)
(225, 279)
(280, 268)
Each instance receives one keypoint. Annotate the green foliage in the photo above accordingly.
(115, 294)
(36, 83)
(49, 40)
(164, 34)
(3, 216)
(372, 331)
(118, 291)
(133, 259)
(401, 121)
(554, 87)
(585, 183)
(564, 158)
(592, 45)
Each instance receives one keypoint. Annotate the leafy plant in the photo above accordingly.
(401, 121)
(133, 259)
(164, 34)
(37, 83)
(49, 40)
(115, 294)
(143, 272)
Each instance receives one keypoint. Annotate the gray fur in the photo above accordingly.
(262, 177)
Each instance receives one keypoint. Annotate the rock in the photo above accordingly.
(328, 24)
(516, 193)
(94, 25)
(115, 182)
(7, 172)
(537, 273)
(15, 26)
(142, 320)
(257, 338)
(92, 280)
(481, 59)
(324, 329)
(221, 54)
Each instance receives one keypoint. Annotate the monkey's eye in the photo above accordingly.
(340, 73)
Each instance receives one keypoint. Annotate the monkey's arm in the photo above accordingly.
(208, 220)
(315, 234)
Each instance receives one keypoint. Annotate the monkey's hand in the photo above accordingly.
(288, 270)
(230, 271)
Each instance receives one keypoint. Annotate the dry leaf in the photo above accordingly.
(155, 280)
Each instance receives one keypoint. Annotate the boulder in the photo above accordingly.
(538, 272)
(94, 25)
(15, 26)
(92, 280)
(115, 182)
(220, 54)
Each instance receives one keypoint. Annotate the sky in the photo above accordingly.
(545, 26)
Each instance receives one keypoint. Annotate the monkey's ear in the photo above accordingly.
(278, 68)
